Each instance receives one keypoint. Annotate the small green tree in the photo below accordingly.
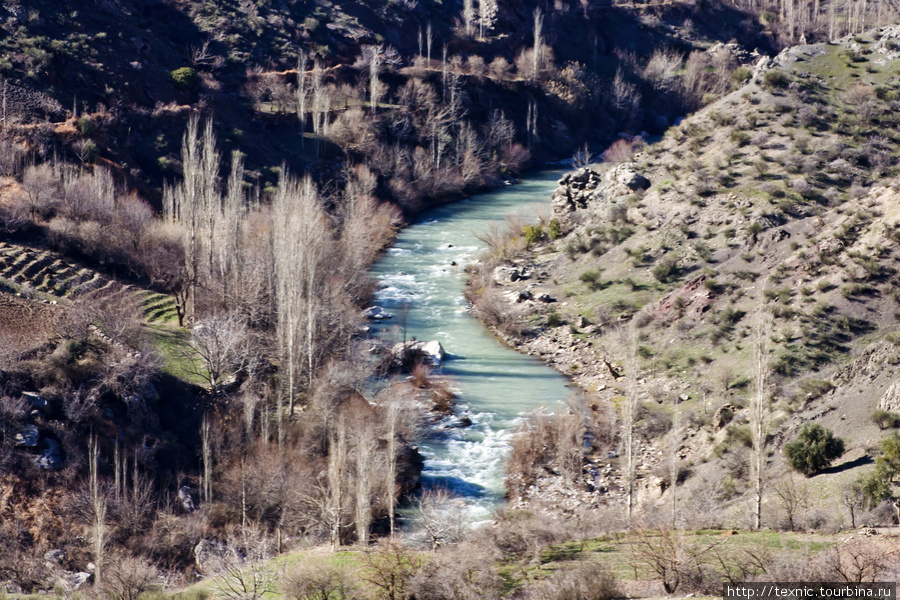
(889, 461)
(184, 78)
(814, 449)
(533, 234)
(884, 419)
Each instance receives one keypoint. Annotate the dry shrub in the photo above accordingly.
(620, 151)
(523, 532)
(590, 581)
(128, 577)
(492, 308)
(419, 375)
(463, 572)
(309, 581)
(859, 560)
(546, 443)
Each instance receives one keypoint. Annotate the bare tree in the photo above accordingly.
(760, 413)
(302, 249)
(853, 496)
(488, 10)
(629, 413)
(537, 51)
(98, 509)
(440, 518)
(38, 183)
(389, 569)
(302, 94)
(468, 17)
(625, 98)
(129, 577)
(793, 497)
(367, 464)
(243, 571)
(220, 343)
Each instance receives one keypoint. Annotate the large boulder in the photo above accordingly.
(376, 313)
(50, 459)
(428, 352)
(28, 437)
(625, 174)
(37, 401)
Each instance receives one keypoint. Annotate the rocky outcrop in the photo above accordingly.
(586, 186)
(575, 191)
(890, 401)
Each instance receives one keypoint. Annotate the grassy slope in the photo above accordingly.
(760, 199)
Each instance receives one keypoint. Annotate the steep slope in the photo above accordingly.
(776, 208)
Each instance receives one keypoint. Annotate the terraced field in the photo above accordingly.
(48, 276)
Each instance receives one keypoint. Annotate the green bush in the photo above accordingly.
(665, 270)
(814, 449)
(86, 126)
(885, 419)
(741, 138)
(554, 229)
(184, 78)
(776, 79)
(533, 233)
(741, 74)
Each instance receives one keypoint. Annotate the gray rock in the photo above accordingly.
(723, 416)
(80, 579)
(206, 549)
(50, 458)
(376, 313)
(29, 437)
(186, 499)
(546, 298)
(625, 174)
(432, 352)
(36, 400)
(890, 401)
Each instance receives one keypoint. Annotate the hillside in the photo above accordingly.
(132, 71)
(774, 207)
(192, 195)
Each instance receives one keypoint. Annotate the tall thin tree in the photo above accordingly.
(760, 406)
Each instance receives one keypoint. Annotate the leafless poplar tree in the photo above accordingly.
(487, 15)
(366, 463)
(759, 406)
(206, 458)
(98, 508)
(629, 412)
(429, 38)
(302, 95)
(317, 102)
(537, 51)
(337, 476)
(468, 17)
(374, 67)
(302, 251)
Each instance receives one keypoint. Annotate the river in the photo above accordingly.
(496, 385)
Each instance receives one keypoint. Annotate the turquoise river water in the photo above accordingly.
(497, 386)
